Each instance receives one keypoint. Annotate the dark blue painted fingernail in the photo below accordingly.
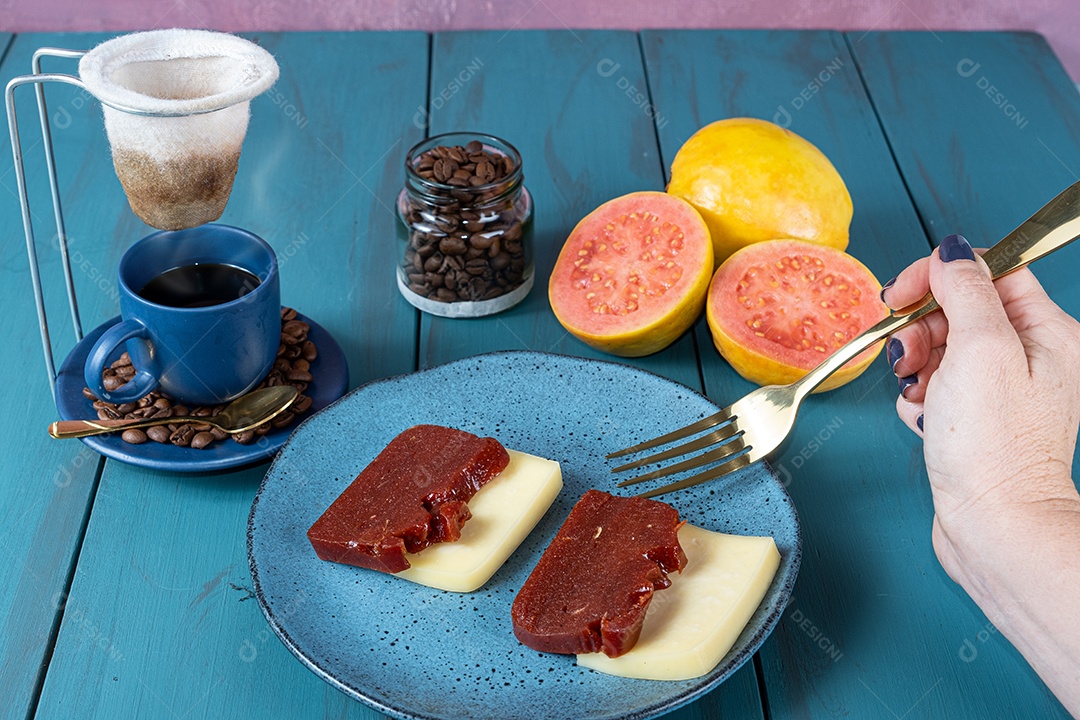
(906, 382)
(894, 350)
(885, 287)
(918, 421)
(955, 247)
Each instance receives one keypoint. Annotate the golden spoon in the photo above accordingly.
(244, 413)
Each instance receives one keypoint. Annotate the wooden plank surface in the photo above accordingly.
(986, 129)
(160, 621)
(47, 485)
(553, 95)
(871, 599)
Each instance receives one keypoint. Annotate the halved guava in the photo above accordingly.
(778, 308)
(633, 275)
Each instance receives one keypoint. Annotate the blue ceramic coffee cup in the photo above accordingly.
(197, 355)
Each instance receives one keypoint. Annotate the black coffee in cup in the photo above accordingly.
(199, 285)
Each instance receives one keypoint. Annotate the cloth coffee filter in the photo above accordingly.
(176, 105)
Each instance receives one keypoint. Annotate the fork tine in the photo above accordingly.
(731, 447)
(732, 465)
(691, 429)
(702, 442)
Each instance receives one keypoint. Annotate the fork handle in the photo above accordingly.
(1054, 226)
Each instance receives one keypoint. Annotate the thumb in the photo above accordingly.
(961, 283)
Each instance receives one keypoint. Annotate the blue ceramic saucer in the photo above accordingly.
(330, 370)
(413, 652)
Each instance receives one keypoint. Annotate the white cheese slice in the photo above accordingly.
(691, 625)
(504, 511)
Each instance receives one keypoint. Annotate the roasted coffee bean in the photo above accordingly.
(309, 351)
(500, 261)
(301, 404)
(180, 410)
(201, 440)
(158, 433)
(112, 382)
(481, 241)
(218, 433)
(472, 254)
(182, 435)
(476, 267)
(135, 436)
(433, 280)
(452, 246)
(107, 413)
(299, 376)
(263, 429)
(288, 314)
(432, 263)
(446, 295)
(89, 395)
(296, 328)
(244, 438)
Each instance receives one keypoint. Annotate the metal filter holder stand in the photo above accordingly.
(38, 79)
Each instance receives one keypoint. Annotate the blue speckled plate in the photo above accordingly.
(330, 370)
(413, 652)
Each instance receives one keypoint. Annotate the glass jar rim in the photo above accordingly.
(463, 138)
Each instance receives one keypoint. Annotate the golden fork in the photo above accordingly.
(753, 427)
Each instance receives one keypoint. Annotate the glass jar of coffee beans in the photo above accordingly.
(466, 221)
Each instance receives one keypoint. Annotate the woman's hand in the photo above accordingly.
(992, 384)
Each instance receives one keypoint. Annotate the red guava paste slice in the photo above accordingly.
(412, 495)
(593, 584)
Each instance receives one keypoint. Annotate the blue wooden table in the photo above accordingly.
(125, 592)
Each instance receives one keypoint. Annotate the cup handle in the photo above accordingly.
(144, 381)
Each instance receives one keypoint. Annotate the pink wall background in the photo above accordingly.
(1058, 20)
